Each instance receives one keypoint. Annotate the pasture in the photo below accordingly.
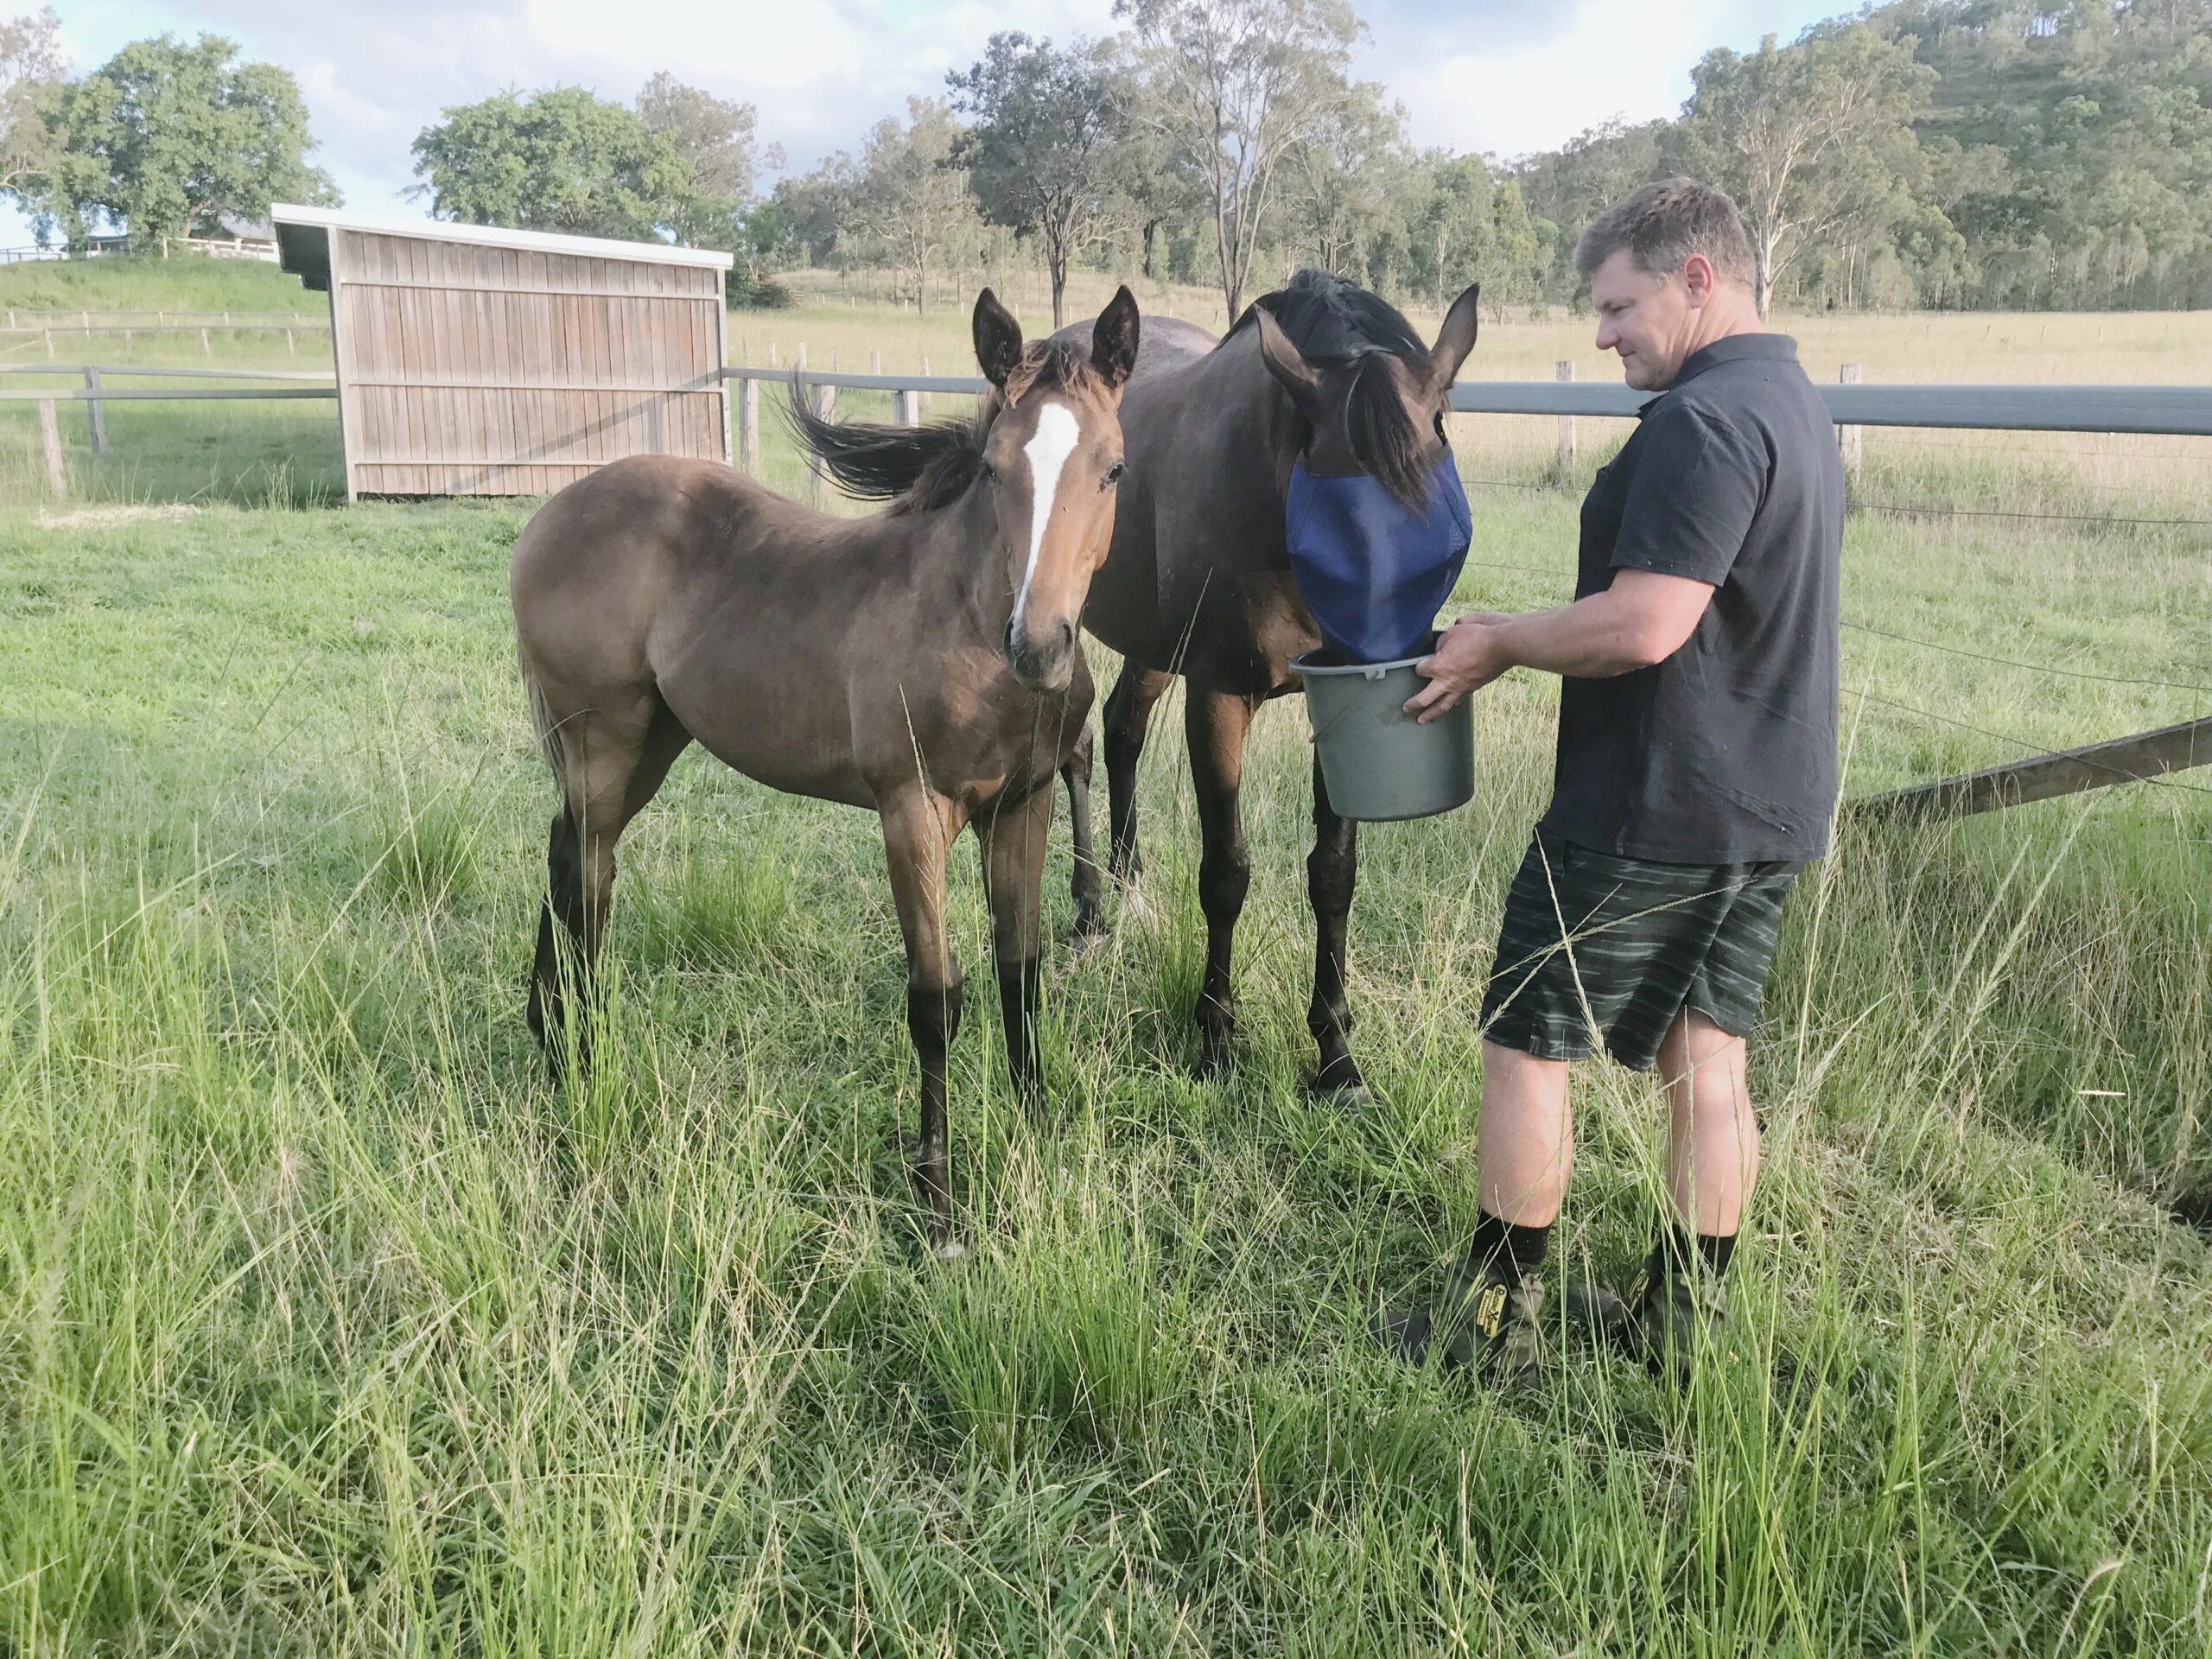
(328, 1325)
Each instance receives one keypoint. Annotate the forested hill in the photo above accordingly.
(1966, 153)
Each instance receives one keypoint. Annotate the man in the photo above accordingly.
(1696, 771)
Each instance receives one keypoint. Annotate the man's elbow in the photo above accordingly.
(1652, 642)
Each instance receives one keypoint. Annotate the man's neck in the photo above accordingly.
(1724, 316)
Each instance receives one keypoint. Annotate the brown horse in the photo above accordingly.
(1199, 581)
(922, 662)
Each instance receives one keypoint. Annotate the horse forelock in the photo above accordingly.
(1338, 325)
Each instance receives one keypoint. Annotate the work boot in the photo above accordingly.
(1484, 1319)
(1659, 1320)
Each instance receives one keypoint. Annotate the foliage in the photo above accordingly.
(31, 84)
(557, 160)
(908, 203)
(1239, 86)
(1040, 148)
(169, 139)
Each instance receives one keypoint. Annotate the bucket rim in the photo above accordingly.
(1303, 664)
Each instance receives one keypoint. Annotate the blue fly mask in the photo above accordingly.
(1373, 571)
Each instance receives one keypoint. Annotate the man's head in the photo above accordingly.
(1670, 271)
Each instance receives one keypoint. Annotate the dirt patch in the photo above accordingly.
(108, 518)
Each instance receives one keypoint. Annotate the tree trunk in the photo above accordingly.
(1152, 226)
(922, 286)
(1765, 292)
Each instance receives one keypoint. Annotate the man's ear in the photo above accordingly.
(1699, 279)
(998, 340)
(1288, 364)
(1455, 338)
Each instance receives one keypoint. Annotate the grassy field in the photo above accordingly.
(329, 1326)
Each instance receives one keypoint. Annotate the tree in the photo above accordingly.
(1240, 84)
(1039, 149)
(167, 138)
(910, 198)
(31, 87)
(1813, 140)
(557, 160)
(1510, 276)
(1452, 240)
(1337, 191)
(714, 137)
(1570, 187)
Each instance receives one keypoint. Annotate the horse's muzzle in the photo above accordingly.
(1042, 659)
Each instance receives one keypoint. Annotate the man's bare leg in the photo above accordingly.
(1713, 1148)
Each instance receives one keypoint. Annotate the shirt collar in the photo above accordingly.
(1735, 349)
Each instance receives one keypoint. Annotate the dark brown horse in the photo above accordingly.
(1198, 582)
(922, 663)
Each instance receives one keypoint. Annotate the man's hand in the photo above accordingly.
(1468, 656)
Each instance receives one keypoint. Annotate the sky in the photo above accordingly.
(1500, 76)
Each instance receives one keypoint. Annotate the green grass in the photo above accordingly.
(327, 1326)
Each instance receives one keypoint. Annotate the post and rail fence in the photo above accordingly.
(2162, 410)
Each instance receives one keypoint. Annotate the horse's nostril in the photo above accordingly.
(1067, 635)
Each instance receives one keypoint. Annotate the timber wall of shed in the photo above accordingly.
(468, 370)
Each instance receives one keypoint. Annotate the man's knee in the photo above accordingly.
(1512, 1078)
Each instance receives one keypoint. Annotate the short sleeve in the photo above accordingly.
(1689, 507)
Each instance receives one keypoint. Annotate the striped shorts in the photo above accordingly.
(1600, 949)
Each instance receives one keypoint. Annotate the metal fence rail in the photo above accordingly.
(2174, 411)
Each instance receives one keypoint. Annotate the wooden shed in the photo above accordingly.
(476, 361)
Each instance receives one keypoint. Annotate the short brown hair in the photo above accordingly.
(1662, 225)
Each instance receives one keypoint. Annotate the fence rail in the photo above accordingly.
(2172, 412)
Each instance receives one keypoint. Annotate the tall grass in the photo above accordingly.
(329, 1325)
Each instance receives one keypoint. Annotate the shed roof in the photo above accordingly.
(303, 241)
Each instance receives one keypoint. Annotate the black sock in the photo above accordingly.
(1679, 1249)
(1516, 1251)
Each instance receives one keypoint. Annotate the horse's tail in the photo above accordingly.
(918, 467)
(546, 729)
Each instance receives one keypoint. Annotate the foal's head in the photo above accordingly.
(1370, 398)
(1051, 458)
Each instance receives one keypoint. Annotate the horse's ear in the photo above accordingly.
(1286, 363)
(1455, 338)
(998, 340)
(1114, 339)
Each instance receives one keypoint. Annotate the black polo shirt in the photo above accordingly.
(1724, 753)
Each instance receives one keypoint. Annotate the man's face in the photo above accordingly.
(1648, 320)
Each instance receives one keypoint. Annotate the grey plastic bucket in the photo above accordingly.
(1380, 763)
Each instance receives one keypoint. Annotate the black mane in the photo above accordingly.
(917, 468)
(1339, 325)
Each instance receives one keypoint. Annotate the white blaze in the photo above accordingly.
(1047, 451)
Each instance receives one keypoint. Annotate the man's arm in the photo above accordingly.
(1643, 617)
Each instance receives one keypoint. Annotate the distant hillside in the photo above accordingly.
(133, 284)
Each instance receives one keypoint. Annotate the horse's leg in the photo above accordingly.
(1129, 710)
(1084, 884)
(1013, 872)
(611, 768)
(1216, 723)
(1331, 870)
(918, 827)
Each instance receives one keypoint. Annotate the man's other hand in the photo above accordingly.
(1467, 658)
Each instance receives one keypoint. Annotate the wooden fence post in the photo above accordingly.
(1565, 372)
(96, 413)
(49, 432)
(749, 425)
(774, 362)
(902, 409)
(1851, 438)
(922, 398)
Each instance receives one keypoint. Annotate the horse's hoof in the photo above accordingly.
(1086, 937)
(1339, 1084)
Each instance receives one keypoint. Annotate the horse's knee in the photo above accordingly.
(1224, 876)
(933, 1017)
(1331, 873)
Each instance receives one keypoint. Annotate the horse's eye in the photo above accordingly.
(1113, 475)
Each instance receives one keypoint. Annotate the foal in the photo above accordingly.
(922, 662)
